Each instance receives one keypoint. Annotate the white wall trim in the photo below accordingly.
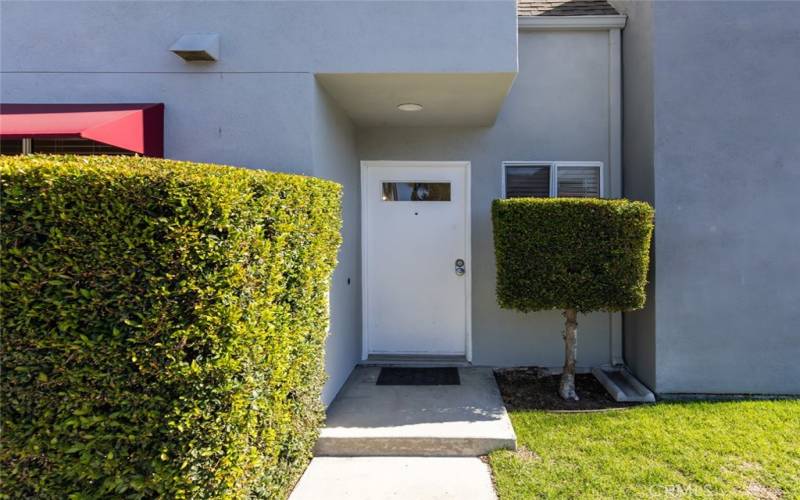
(615, 164)
(615, 113)
(534, 23)
(364, 294)
(615, 340)
(365, 164)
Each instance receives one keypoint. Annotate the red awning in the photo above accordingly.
(135, 127)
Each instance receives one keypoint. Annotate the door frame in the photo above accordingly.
(365, 165)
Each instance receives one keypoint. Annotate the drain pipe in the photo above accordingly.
(615, 339)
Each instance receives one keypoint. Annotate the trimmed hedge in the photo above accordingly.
(571, 253)
(164, 325)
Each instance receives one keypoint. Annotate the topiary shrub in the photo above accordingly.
(573, 254)
(163, 326)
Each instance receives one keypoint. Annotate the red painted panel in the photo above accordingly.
(135, 127)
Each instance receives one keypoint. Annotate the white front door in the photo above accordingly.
(415, 229)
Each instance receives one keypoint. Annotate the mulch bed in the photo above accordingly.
(532, 389)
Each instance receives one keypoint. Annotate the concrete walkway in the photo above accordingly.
(464, 420)
(408, 442)
(406, 478)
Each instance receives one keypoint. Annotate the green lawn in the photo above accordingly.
(745, 449)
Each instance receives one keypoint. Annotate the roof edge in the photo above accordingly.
(544, 23)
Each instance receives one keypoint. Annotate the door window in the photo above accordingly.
(416, 191)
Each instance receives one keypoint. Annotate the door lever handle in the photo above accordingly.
(460, 267)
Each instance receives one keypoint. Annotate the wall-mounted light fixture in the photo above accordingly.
(197, 47)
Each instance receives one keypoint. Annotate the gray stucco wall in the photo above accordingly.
(335, 159)
(209, 117)
(262, 36)
(259, 106)
(558, 109)
(725, 167)
(637, 168)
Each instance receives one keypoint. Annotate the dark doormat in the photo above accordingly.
(418, 376)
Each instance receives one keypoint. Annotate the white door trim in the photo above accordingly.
(366, 164)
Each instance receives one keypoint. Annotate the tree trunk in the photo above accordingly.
(567, 387)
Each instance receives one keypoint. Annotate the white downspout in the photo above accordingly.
(615, 163)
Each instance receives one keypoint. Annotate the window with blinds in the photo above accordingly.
(551, 179)
(10, 146)
(578, 182)
(61, 145)
(528, 181)
(75, 146)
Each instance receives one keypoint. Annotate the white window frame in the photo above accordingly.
(553, 165)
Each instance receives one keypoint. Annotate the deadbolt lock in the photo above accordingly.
(460, 270)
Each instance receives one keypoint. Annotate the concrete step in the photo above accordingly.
(411, 446)
(414, 361)
(460, 420)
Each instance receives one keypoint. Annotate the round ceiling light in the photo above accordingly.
(409, 106)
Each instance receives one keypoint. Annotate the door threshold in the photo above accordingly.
(414, 360)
